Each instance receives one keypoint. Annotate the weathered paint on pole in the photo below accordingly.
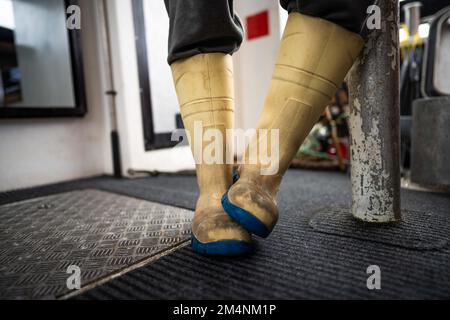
(374, 122)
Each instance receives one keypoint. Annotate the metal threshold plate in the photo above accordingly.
(99, 232)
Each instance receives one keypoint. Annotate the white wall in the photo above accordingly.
(36, 152)
(254, 62)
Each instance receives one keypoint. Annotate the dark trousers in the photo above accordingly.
(205, 26)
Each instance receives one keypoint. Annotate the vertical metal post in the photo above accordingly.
(105, 45)
(374, 122)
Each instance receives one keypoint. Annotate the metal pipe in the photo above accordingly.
(374, 122)
(412, 18)
(105, 43)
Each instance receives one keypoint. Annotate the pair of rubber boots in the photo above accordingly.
(314, 58)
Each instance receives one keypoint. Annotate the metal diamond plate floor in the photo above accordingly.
(100, 232)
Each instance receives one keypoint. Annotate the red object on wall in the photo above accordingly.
(258, 25)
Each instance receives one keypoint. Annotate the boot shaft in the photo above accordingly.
(204, 86)
(313, 60)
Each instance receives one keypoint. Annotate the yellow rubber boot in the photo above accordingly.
(314, 58)
(204, 86)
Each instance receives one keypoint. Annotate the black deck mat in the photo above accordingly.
(417, 230)
(295, 262)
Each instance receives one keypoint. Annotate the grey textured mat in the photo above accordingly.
(417, 230)
(295, 262)
(99, 232)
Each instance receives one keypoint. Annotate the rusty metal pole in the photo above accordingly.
(374, 84)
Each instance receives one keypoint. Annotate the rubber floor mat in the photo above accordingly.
(417, 230)
(98, 232)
